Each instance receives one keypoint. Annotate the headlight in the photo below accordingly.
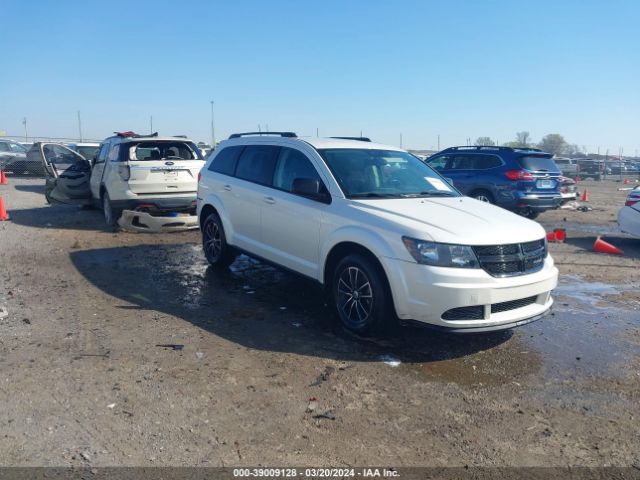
(441, 254)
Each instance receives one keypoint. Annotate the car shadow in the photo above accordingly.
(68, 217)
(30, 188)
(254, 305)
(629, 245)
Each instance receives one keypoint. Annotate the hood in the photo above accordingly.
(460, 220)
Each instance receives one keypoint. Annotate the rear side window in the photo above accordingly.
(439, 163)
(537, 164)
(257, 163)
(225, 161)
(475, 162)
(4, 147)
(293, 164)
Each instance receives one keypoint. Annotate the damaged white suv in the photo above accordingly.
(385, 234)
(150, 181)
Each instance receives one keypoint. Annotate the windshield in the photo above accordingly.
(87, 152)
(164, 151)
(365, 173)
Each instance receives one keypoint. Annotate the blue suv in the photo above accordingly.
(526, 181)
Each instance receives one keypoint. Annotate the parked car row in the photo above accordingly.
(584, 168)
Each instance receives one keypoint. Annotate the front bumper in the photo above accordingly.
(629, 221)
(423, 293)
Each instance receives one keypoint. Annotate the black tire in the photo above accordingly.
(214, 243)
(483, 196)
(530, 214)
(361, 295)
(111, 215)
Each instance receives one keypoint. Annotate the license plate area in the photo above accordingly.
(170, 175)
(545, 183)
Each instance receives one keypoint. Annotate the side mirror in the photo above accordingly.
(310, 188)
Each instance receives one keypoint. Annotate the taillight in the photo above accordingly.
(631, 203)
(518, 175)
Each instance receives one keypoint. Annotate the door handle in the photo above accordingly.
(269, 200)
(227, 188)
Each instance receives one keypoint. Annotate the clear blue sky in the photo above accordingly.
(421, 68)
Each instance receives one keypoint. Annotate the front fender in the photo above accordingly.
(372, 241)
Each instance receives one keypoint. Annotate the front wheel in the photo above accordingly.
(214, 243)
(361, 296)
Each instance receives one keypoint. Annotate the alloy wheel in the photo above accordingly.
(354, 296)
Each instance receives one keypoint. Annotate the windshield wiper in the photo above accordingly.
(373, 195)
(432, 193)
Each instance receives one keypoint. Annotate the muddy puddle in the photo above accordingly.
(574, 294)
(263, 308)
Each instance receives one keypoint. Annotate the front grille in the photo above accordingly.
(476, 312)
(464, 313)
(513, 304)
(512, 259)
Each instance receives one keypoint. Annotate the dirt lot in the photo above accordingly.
(84, 382)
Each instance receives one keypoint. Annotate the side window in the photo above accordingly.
(463, 162)
(16, 147)
(225, 161)
(439, 163)
(484, 162)
(113, 153)
(257, 163)
(102, 155)
(4, 147)
(293, 164)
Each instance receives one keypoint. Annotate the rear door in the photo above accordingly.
(67, 174)
(162, 166)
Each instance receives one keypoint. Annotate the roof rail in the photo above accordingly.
(131, 134)
(360, 139)
(281, 134)
(489, 147)
(179, 136)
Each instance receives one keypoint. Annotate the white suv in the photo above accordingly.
(153, 175)
(385, 234)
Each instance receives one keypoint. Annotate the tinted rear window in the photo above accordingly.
(225, 161)
(538, 164)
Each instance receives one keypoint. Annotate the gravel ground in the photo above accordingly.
(265, 378)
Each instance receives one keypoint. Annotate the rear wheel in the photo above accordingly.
(483, 196)
(214, 243)
(111, 215)
(361, 296)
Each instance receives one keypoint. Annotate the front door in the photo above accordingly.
(67, 174)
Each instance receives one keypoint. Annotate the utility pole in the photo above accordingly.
(438, 142)
(24, 122)
(317, 132)
(79, 125)
(213, 129)
(401, 140)
(151, 123)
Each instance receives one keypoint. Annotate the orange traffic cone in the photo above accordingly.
(4, 216)
(585, 195)
(3, 177)
(559, 234)
(601, 246)
(551, 237)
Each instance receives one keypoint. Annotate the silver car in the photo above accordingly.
(13, 157)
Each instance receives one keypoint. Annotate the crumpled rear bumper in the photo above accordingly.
(144, 222)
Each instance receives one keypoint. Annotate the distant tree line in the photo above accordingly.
(552, 143)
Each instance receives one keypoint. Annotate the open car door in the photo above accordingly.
(67, 174)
